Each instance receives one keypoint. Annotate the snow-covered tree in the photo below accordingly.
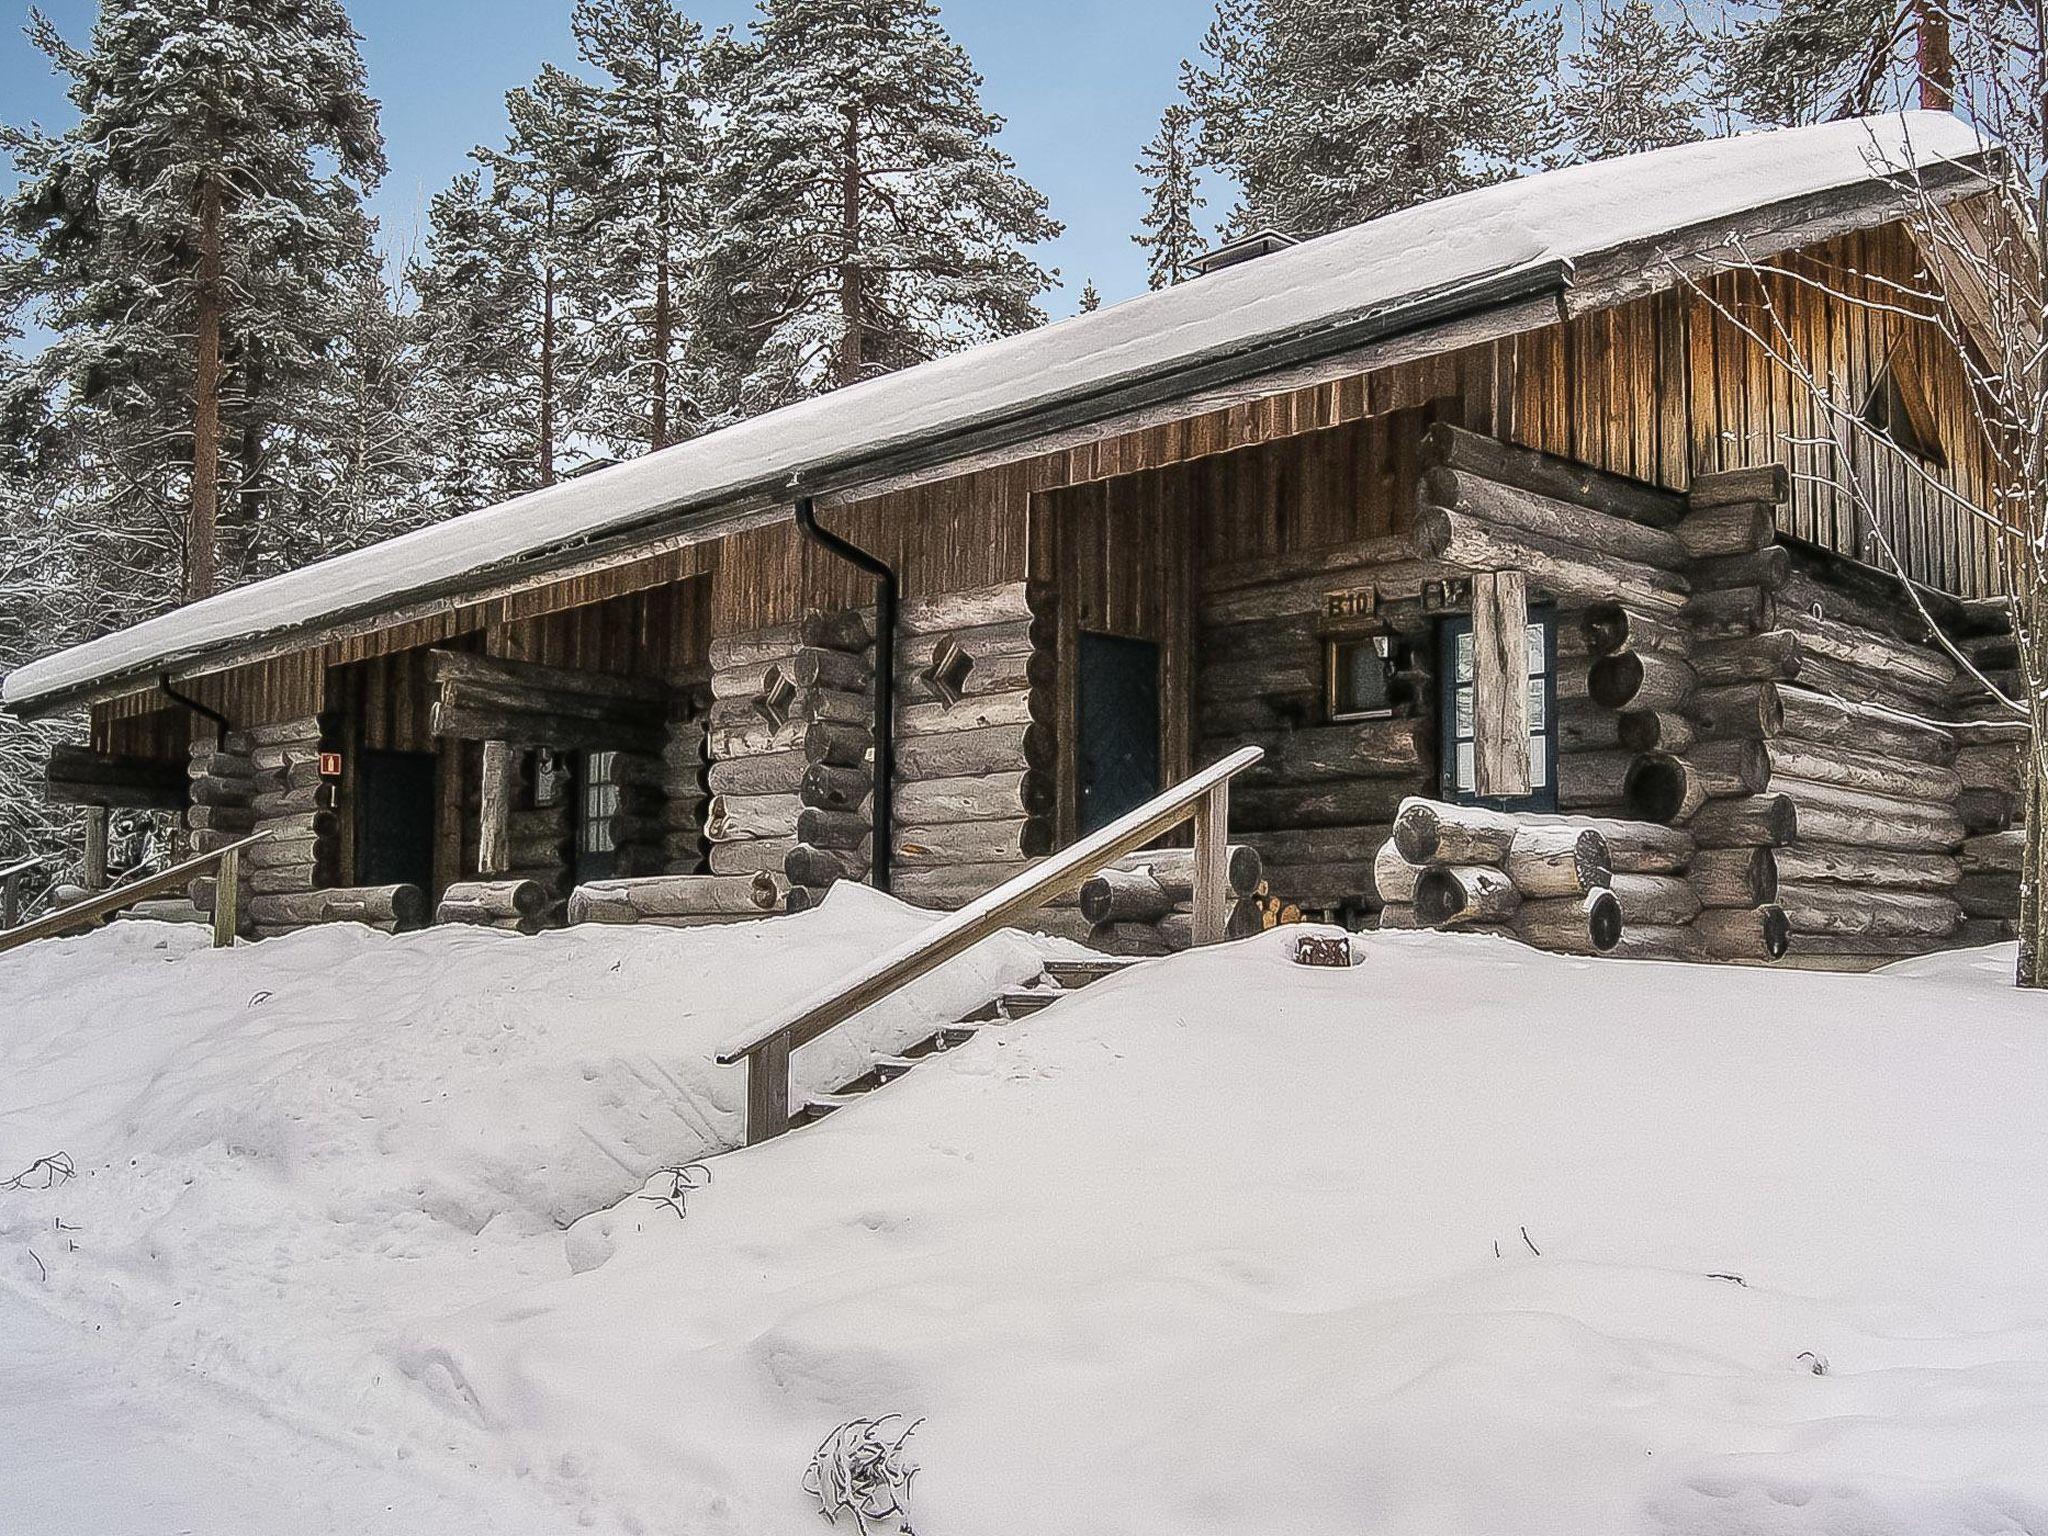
(646, 109)
(866, 219)
(1805, 61)
(506, 287)
(191, 242)
(1632, 84)
(1171, 166)
(1328, 114)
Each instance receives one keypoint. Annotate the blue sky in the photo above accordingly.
(1081, 84)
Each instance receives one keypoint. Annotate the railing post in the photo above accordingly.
(10, 899)
(1212, 857)
(95, 848)
(227, 899)
(768, 1089)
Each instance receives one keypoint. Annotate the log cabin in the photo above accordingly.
(1488, 514)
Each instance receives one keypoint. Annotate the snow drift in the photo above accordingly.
(1463, 1239)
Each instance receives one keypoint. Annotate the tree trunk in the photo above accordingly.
(2033, 959)
(201, 520)
(664, 315)
(850, 296)
(545, 448)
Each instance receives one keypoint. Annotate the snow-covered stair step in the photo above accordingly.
(819, 1105)
(1017, 1002)
(889, 1068)
(1074, 974)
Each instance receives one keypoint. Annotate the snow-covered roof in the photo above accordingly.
(1320, 285)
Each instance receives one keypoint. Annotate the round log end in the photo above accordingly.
(1439, 896)
(1094, 899)
(1656, 788)
(1605, 626)
(1418, 833)
(1615, 680)
(1776, 929)
(1603, 920)
(765, 891)
(1640, 730)
(799, 899)
(408, 905)
(1591, 859)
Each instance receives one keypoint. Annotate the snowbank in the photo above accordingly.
(1224, 1245)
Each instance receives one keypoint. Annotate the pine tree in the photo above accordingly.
(1170, 165)
(1090, 299)
(505, 289)
(1633, 84)
(649, 109)
(866, 219)
(1804, 61)
(191, 243)
(1330, 114)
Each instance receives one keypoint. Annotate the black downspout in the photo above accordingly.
(220, 721)
(884, 804)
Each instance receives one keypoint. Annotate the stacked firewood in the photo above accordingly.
(974, 742)
(1144, 903)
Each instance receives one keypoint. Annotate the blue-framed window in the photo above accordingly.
(1459, 773)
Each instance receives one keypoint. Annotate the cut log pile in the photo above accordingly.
(680, 901)
(1144, 903)
(975, 768)
(1573, 885)
(518, 906)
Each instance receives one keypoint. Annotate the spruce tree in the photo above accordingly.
(866, 219)
(1090, 299)
(1170, 167)
(191, 243)
(1633, 84)
(1330, 114)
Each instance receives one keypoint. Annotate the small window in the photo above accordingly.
(1460, 775)
(1898, 409)
(598, 802)
(1358, 677)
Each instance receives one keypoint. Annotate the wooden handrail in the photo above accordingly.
(1203, 797)
(10, 889)
(101, 904)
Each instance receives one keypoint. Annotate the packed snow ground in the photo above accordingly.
(1225, 1244)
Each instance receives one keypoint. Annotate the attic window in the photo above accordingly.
(1898, 409)
(776, 699)
(947, 674)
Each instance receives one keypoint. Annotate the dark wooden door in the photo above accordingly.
(1117, 728)
(395, 807)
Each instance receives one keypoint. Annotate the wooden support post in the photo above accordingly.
(1212, 865)
(95, 847)
(227, 899)
(1500, 683)
(493, 849)
(10, 898)
(768, 1089)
